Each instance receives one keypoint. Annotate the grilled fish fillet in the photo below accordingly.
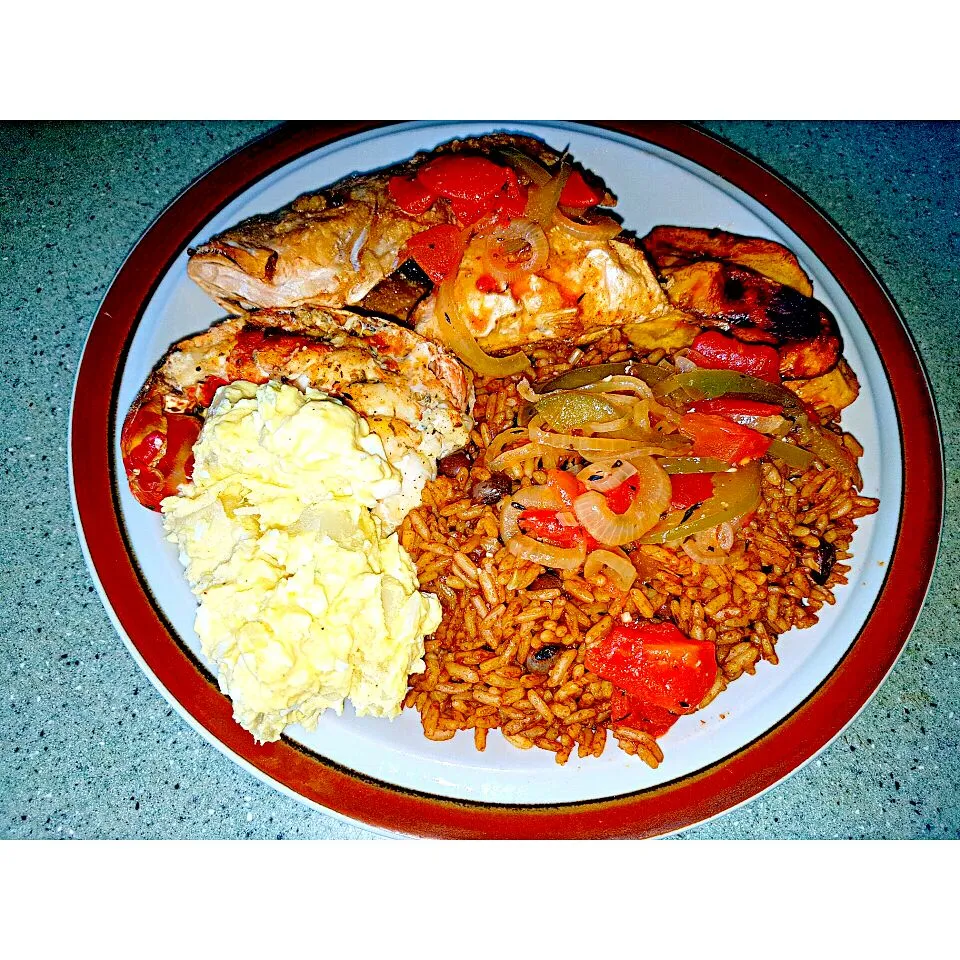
(341, 247)
(332, 246)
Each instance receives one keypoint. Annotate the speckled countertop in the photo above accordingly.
(88, 748)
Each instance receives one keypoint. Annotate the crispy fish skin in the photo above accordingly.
(336, 351)
(333, 246)
(329, 248)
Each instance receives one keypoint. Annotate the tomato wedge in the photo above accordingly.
(410, 195)
(438, 250)
(719, 437)
(545, 526)
(621, 498)
(632, 712)
(463, 177)
(714, 351)
(656, 664)
(688, 489)
(579, 194)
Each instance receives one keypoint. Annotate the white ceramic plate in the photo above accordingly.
(655, 185)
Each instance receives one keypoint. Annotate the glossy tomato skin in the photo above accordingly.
(718, 437)
(545, 526)
(579, 194)
(620, 499)
(438, 250)
(715, 351)
(627, 711)
(463, 177)
(410, 195)
(475, 187)
(688, 489)
(656, 664)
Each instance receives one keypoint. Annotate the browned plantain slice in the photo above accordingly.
(756, 309)
(671, 246)
(829, 393)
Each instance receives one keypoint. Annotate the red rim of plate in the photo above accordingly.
(650, 812)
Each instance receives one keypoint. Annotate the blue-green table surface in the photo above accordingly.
(88, 748)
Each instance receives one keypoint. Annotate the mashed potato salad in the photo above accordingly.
(305, 597)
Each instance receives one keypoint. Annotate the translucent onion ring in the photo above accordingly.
(620, 383)
(724, 535)
(511, 458)
(501, 440)
(610, 476)
(566, 441)
(513, 251)
(455, 334)
(542, 200)
(699, 555)
(527, 498)
(610, 426)
(557, 558)
(605, 526)
(624, 572)
(601, 227)
(525, 164)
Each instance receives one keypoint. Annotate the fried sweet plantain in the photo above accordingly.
(671, 246)
(830, 393)
(756, 309)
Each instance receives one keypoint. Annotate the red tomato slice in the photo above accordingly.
(718, 437)
(462, 177)
(690, 488)
(732, 407)
(410, 195)
(438, 250)
(656, 664)
(621, 498)
(544, 525)
(567, 486)
(714, 351)
(578, 193)
(628, 711)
